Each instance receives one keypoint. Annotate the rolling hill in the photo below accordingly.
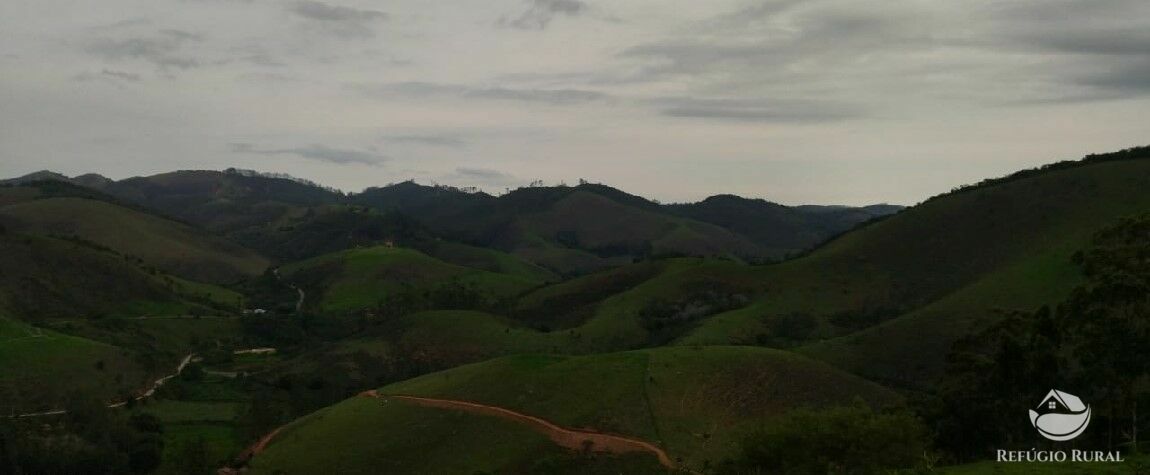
(359, 279)
(695, 403)
(899, 291)
(170, 246)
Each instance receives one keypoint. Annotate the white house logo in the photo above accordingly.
(1061, 416)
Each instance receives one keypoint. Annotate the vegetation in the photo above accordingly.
(1090, 342)
(584, 306)
(847, 439)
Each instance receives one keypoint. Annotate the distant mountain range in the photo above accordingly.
(568, 229)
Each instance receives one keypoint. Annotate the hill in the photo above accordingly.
(39, 367)
(225, 202)
(695, 403)
(367, 278)
(568, 230)
(898, 292)
(48, 278)
(170, 246)
(779, 229)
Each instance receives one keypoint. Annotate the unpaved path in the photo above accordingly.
(144, 395)
(569, 438)
(302, 295)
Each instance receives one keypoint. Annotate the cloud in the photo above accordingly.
(316, 152)
(432, 140)
(164, 49)
(428, 89)
(481, 176)
(759, 110)
(108, 74)
(540, 13)
(340, 21)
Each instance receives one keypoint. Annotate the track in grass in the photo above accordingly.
(567, 438)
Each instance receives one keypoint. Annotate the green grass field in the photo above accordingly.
(696, 403)
(40, 367)
(359, 278)
(931, 273)
(367, 436)
(167, 245)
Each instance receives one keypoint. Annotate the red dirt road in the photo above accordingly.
(569, 438)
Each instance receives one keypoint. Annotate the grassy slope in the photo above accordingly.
(167, 245)
(51, 278)
(944, 265)
(366, 436)
(38, 367)
(696, 402)
(489, 260)
(448, 338)
(358, 278)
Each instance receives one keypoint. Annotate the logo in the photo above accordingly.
(1061, 416)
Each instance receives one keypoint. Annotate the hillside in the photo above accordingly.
(40, 367)
(169, 246)
(904, 288)
(694, 403)
(221, 201)
(779, 229)
(46, 278)
(367, 278)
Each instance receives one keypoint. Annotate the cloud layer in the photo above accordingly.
(833, 101)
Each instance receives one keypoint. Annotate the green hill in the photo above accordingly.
(48, 278)
(903, 289)
(779, 229)
(40, 367)
(695, 403)
(169, 246)
(358, 279)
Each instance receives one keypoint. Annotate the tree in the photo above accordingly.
(850, 439)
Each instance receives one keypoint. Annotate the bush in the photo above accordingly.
(851, 439)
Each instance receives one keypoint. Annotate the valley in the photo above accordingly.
(557, 329)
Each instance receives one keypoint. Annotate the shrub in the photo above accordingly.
(851, 439)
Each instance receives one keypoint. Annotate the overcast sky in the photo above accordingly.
(851, 101)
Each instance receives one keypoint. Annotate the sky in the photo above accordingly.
(813, 101)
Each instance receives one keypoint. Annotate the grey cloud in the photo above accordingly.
(124, 76)
(108, 74)
(759, 110)
(481, 176)
(1127, 41)
(164, 49)
(427, 89)
(540, 13)
(316, 152)
(341, 21)
(432, 140)
(1133, 77)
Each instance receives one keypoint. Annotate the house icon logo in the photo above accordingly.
(1060, 416)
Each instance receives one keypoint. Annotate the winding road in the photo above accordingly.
(146, 394)
(569, 438)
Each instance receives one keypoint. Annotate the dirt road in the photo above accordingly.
(569, 438)
(148, 392)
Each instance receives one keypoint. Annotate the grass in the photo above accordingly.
(698, 403)
(935, 271)
(40, 367)
(489, 260)
(183, 412)
(170, 246)
(221, 443)
(358, 278)
(368, 436)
